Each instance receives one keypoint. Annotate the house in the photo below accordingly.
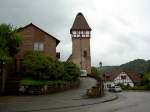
(35, 39)
(121, 77)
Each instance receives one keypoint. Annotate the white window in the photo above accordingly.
(87, 32)
(38, 46)
(78, 32)
(74, 32)
(87, 35)
(78, 35)
(83, 35)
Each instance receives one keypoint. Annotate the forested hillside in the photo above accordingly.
(139, 65)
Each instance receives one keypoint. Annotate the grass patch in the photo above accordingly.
(31, 82)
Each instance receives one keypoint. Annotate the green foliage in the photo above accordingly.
(72, 71)
(146, 81)
(28, 82)
(10, 40)
(139, 65)
(57, 70)
(138, 88)
(96, 72)
(124, 87)
(40, 67)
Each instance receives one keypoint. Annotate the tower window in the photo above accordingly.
(74, 32)
(85, 53)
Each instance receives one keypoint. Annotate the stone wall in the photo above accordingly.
(47, 89)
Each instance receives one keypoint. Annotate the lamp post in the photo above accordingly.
(100, 65)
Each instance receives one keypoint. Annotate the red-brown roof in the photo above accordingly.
(31, 24)
(135, 77)
(110, 76)
(80, 23)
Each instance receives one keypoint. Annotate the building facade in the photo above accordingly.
(81, 34)
(35, 39)
(124, 78)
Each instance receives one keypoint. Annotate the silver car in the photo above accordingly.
(115, 89)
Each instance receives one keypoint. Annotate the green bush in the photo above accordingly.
(72, 71)
(96, 72)
(31, 82)
(40, 67)
(138, 88)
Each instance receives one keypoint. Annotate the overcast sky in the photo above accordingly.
(120, 28)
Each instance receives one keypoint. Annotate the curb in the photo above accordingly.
(115, 98)
(73, 106)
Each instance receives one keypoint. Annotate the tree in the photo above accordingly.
(72, 71)
(40, 67)
(145, 79)
(96, 72)
(36, 65)
(10, 40)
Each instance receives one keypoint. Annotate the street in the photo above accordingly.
(127, 102)
(74, 101)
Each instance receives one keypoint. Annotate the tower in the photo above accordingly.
(81, 34)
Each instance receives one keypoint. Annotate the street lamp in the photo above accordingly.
(100, 65)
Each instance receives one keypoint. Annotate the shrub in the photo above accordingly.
(56, 70)
(38, 66)
(31, 82)
(96, 72)
(28, 82)
(72, 71)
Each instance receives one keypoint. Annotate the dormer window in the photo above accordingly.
(38, 46)
(123, 77)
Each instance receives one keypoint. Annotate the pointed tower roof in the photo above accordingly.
(80, 23)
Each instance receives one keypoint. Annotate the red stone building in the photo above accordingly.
(35, 39)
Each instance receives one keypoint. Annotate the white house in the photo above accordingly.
(124, 78)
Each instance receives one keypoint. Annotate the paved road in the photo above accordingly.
(127, 102)
(46, 102)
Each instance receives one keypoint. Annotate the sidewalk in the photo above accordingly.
(85, 101)
(67, 99)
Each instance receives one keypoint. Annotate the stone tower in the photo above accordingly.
(80, 33)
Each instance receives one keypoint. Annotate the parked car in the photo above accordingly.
(115, 89)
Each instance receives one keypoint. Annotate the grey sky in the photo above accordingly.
(120, 28)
